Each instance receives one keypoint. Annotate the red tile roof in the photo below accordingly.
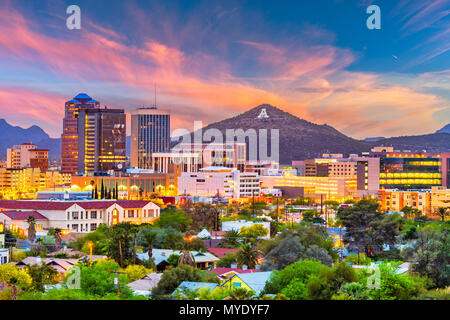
(23, 215)
(64, 205)
(220, 252)
(221, 271)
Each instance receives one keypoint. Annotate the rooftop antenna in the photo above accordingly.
(154, 105)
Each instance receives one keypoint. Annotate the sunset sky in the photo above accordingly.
(214, 59)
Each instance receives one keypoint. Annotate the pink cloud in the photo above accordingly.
(307, 80)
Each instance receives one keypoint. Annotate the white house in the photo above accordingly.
(4, 256)
(77, 216)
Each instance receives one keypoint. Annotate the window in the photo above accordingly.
(93, 226)
(130, 213)
(75, 216)
(236, 284)
(82, 215)
(68, 215)
(93, 214)
(75, 227)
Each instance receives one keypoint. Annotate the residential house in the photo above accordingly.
(4, 256)
(192, 286)
(144, 285)
(254, 281)
(202, 260)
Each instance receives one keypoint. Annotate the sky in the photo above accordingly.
(211, 60)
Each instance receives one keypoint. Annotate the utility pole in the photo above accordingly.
(118, 282)
(340, 242)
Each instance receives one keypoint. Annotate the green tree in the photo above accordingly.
(173, 277)
(289, 250)
(227, 260)
(248, 256)
(98, 279)
(329, 281)
(41, 274)
(230, 239)
(443, 213)
(150, 238)
(10, 273)
(301, 270)
(253, 232)
(177, 219)
(173, 259)
(431, 255)
(367, 229)
(295, 290)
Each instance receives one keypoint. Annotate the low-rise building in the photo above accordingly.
(83, 216)
(396, 200)
(220, 181)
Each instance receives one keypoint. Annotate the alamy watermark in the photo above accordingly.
(74, 20)
(374, 20)
(257, 143)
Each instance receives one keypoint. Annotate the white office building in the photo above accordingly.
(225, 182)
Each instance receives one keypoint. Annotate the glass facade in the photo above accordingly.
(153, 136)
(410, 173)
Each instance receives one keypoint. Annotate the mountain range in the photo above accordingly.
(298, 139)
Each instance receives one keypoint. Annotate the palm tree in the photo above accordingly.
(57, 234)
(150, 237)
(31, 229)
(248, 256)
(134, 231)
(231, 239)
(240, 294)
(443, 212)
(186, 258)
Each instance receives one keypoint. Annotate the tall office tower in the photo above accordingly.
(69, 137)
(150, 132)
(101, 140)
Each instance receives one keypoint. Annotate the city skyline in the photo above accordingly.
(311, 62)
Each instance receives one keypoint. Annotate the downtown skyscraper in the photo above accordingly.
(101, 140)
(69, 137)
(150, 132)
(94, 138)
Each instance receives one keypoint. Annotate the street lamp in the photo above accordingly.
(90, 246)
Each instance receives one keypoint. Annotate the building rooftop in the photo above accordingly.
(185, 285)
(23, 215)
(64, 205)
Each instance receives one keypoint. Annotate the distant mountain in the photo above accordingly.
(14, 135)
(445, 129)
(298, 138)
(435, 142)
(373, 139)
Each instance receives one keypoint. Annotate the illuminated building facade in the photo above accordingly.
(16, 183)
(69, 137)
(411, 170)
(220, 181)
(229, 155)
(364, 170)
(396, 200)
(132, 187)
(330, 187)
(27, 155)
(101, 140)
(150, 132)
(440, 198)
